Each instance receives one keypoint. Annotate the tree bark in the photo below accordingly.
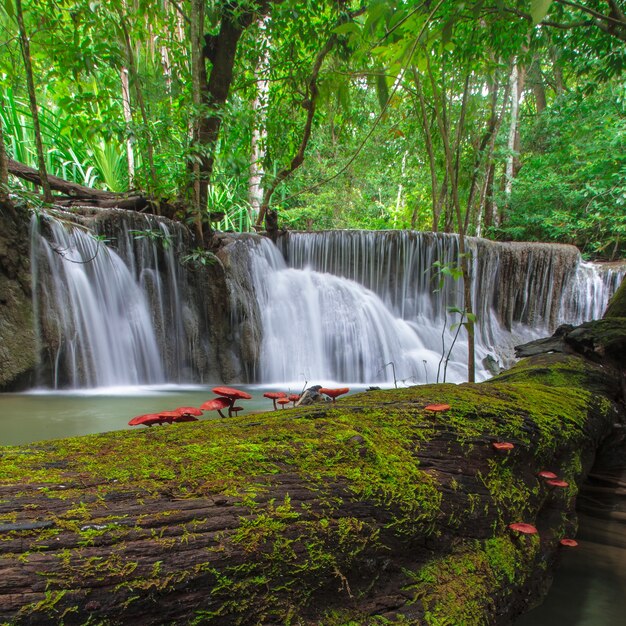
(134, 76)
(370, 514)
(434, 185)
(4, 169)
(259, 132)
(128, 118)
(32, 100)
(451, 160)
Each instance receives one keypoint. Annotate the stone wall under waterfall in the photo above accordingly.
(122, 298)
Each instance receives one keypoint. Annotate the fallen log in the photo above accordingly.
(75, 195)
(369, 508)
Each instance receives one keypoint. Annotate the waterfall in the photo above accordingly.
(520, 290)
(120, 308)
(317, 326)
(99, 316)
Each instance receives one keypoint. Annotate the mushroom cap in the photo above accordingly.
(274, 395)
(293, 397)
(216, 404)
(169, 416)
(437, 407)
(525, 529)
(502, 445)
(558, 483)
(570, 543)
(188, 410)
(334, 393)
(146, 420)
(229, 392)
(546, 474)
(185, 417)
(236, 408)
(283, 401)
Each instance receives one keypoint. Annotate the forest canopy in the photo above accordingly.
(498, 118)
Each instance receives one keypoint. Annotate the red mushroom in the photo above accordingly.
(334, 393)
(149, 419)
(525, 529)
(502, 445)
(229, 392)
(275, 395)
(216, 405)
(294, 397)
(235, 410)
(232, 395)
(436, 408)
(185, 417)
(570, 543)
(546, 474)
(283, 401)
(189, 410)
(169, 416)
(558, 483)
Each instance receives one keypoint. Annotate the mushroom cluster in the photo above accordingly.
(227, 398)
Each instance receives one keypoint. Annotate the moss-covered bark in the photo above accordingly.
(372, 510)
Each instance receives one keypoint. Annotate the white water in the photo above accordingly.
(103, 322)
(317, 326)
(348, 306)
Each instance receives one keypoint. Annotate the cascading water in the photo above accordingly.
(519, 290)
(317, 326)
(349, 306)
(102, 321)
(119, 313)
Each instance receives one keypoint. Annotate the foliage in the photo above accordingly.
(571, 187)
(411, 119)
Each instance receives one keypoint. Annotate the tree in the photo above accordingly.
(32, 99)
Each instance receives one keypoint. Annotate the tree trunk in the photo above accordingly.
(451, 160)
(310, 105)
(434, 185)
(128, 118)
(198, 83)
(259, 132)
(134, 77)
(4, 169)
(79, 195)
(32, 100)
(367, 514)
(515, 95)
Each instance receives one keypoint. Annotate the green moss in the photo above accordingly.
(363, 450)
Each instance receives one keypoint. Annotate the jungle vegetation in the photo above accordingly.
(497, 118)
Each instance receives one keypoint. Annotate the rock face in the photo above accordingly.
(369, 509)
(17, 337)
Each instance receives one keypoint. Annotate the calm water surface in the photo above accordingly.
(40, 415)
(589, 587)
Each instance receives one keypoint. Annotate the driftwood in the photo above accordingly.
(373, 506)
(74, 194)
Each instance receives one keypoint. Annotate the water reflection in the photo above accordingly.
(590, 582)
(41, 415)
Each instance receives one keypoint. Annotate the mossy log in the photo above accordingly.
(370, 510)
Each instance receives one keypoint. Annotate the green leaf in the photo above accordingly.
(347, 28)
(8, 7)
(539, 9)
